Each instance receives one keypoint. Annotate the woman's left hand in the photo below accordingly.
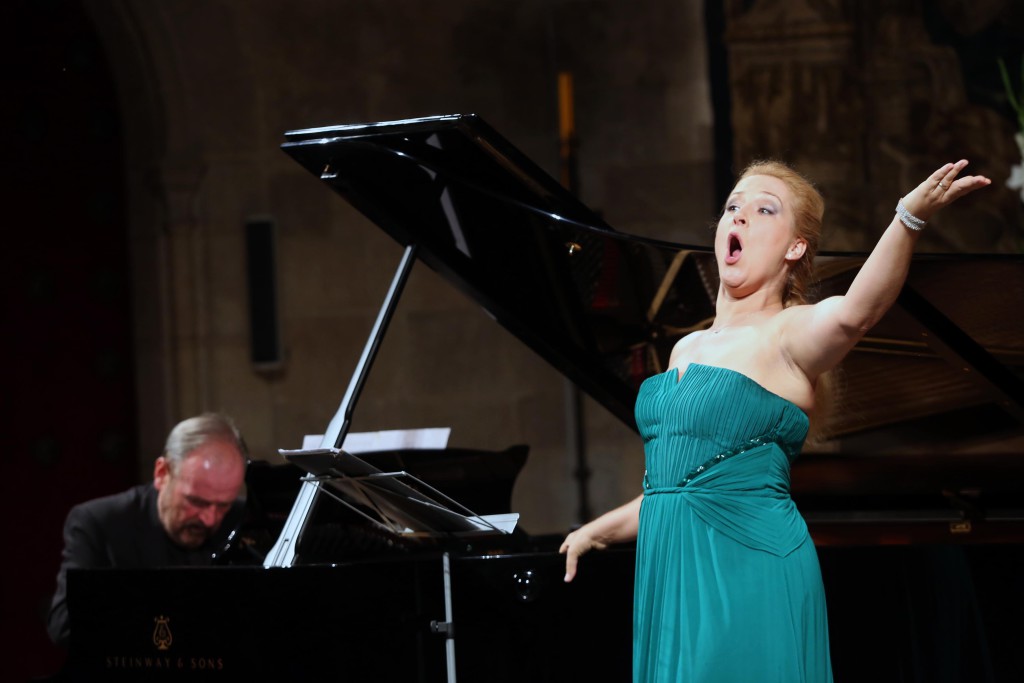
(941, 188)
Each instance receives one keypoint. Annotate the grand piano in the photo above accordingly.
(917, 506)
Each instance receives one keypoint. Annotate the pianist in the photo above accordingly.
(178, 519)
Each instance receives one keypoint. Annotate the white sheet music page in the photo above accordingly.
(386, 440)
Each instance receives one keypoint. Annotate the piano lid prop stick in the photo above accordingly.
(334, 436)
(282, 554)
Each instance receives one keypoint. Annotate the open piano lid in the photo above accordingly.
(507, 235)
(940, 374)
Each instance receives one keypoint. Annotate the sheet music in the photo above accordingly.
(386, 440)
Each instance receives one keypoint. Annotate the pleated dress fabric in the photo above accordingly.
(728, 587)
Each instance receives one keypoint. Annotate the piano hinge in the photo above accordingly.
(961, 527)
(445, 628)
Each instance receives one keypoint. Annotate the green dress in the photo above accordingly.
(728, 587)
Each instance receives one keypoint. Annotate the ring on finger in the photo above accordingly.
(943, 185)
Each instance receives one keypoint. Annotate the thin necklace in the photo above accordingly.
(739, 323)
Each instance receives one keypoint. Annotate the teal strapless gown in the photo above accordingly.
(728, 587)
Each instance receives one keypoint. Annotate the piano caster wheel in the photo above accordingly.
(527, 585)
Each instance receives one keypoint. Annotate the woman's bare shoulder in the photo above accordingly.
(813, 337)
(685, 348)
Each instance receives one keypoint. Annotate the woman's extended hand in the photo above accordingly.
(576, 544)
(615, 526)
(941, 188)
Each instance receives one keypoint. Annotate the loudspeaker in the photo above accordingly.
(261, 273)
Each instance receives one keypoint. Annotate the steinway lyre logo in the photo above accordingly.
(162, 633)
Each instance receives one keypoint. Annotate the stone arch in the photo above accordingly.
(167, 149)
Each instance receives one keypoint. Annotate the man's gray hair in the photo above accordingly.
(192, 433)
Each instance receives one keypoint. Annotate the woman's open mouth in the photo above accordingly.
(735, 249)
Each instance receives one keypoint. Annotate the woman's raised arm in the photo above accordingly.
(817, 337)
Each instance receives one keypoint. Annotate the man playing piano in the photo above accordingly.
(172, 521)
(728, 587)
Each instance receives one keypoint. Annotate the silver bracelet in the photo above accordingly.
(908, 219)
